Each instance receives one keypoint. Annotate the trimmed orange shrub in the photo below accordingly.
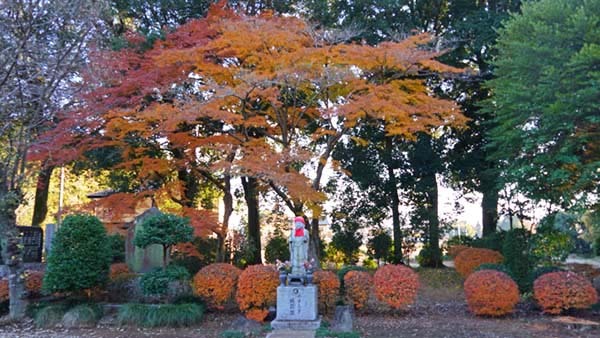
(558, 291)
(470, 259)
(454, 250)
(329, 288)
(3, 289)
(358, 287)
(396, 285)
(215, 283)
(257, 290)
(33, 281)
(118, 270)
(491, 293)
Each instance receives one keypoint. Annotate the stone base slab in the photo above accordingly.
(296, 324)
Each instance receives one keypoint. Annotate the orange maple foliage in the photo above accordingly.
(396, 285)
(491, 293)
(559, 291)
(329, 289)
(118, 270)
(257, 290)
(3, 289)
(470, 259)
(358, 286)
(216, 284)
(261, 97)
(33, 281)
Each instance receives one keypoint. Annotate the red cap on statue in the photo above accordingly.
(299, 219)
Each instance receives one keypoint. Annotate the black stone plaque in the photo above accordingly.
(33, 242)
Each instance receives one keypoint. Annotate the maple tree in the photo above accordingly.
(209, 103)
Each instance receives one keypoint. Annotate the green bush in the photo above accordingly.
(517, 259)
(80, 256)
(460, 240)
(496, 267)
(427, 257)
(536, 273)
(165, 230)
(550, 246)
(4, 307)
(492, 241)
(165, 315)
(191, 263)
(277, 248)
(49, 316)
(189, 299)
(116, 242)
(157, 281)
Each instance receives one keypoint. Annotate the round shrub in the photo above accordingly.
(454, 250)
(491, 293)
(468, 260)
(118, 270)
(345, 269)
(495, 267)
(157, 281)
(396, 285)
(329, 289)
(216, 283)
(3, 289)
(563, 290)
(358, 287)
(33, 281)
(80, 256)
(257, 290)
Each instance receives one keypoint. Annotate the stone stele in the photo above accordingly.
(297, 308)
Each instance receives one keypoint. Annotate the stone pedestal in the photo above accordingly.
(297, 308)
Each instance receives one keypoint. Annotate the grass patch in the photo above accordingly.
(83, 315)
(49, 316)
(324, 331)
(166, 315)
(232, 334)
(440, 278)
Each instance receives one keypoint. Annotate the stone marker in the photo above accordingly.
(142, 259)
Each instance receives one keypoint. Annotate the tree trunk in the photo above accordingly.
(314, 247)
(395, 202)
(13, 255)
(40, 206)
(434, 222)
(250, 185)
(489, 209)
(228, 210)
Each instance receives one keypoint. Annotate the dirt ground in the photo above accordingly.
(440, 311)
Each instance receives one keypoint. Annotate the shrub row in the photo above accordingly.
(495, 293)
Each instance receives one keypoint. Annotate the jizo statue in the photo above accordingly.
(299, 247)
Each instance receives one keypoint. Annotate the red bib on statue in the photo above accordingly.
(299, 232)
